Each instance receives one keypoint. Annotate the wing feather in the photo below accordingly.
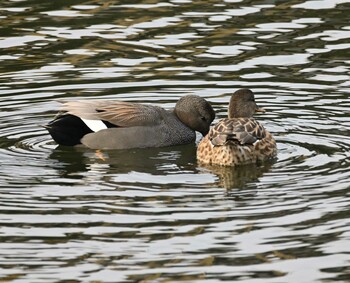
(243, 131)
(119, 113)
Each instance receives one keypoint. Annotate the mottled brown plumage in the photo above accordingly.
(238, 139)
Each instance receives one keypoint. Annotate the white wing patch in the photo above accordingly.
(94, 125)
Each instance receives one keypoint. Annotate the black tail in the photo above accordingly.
(67, 129)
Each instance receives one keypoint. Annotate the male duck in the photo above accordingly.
(103, 124)
(238, 139)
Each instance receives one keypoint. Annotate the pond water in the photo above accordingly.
(155, 215)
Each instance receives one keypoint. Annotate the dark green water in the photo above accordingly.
(78, 215)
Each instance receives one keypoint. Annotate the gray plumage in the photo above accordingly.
(134, 125)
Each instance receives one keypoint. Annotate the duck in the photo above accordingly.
(111, 124)
(239, 138)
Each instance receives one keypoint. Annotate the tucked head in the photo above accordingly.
(195, 112)
(242, 104)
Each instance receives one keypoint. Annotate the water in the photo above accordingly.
(154, 215)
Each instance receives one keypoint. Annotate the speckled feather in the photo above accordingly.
(234, 141)
(241, 131)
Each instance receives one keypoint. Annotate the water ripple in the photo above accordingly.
(155, 214)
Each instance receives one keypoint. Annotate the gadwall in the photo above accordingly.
(108, 124)
(238, 139)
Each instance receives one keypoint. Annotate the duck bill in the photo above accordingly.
(259, 109)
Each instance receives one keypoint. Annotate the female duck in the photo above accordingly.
(103, 124)
(238, 139)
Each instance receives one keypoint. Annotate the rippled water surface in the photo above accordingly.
(154, 215)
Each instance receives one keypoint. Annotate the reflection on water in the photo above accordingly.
(239, 176)
(152, 215)
(149, 161)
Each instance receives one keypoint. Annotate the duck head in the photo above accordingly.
(242, 104)
(195, 112)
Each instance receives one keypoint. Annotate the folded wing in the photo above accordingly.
(242, 131)
(118, 113)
